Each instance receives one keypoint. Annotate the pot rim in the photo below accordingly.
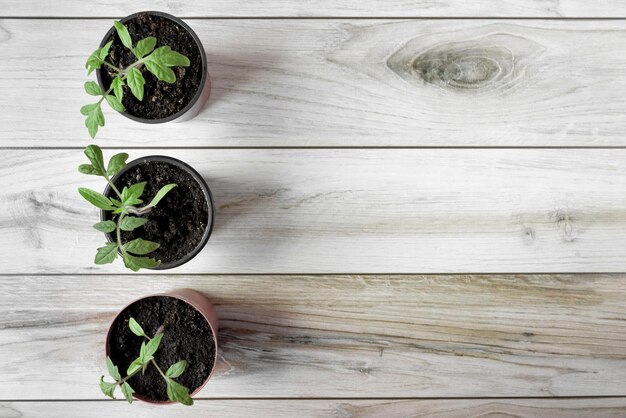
(208, 196)
(173, 294)
(203, 60)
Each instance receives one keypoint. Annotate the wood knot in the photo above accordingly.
(490, 61)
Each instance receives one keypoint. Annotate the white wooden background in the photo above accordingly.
(421, 208)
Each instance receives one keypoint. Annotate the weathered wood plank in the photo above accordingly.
(342, 83)
(329, 336)
(347, 211)
(321, 8)
(348, 408)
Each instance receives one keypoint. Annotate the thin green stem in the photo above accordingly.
(119, 70)
(119, 234)
(159, 369)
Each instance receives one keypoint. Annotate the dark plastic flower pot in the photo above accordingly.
(205, 190)
(204, 90)
(202, 304)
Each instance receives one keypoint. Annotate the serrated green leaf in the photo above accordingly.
(106, 254)
(92, 88)
(97, 199)
(118, 87)
(140, 246)
(116, 163)
(176, 369)
(135, 82)
(94, 155)
(161, 194)
(105, 226)
(95, 118)
(87, 109)
(104, 51)
(153, 345)
(136, 263)
(88, 169)
(130, 223)
(107, 388)
(178, 393)
(162, 72)
(94, 61)
(134, 366)
(122, 32)
(169, 58)
(131, 195)
(128, 392)
(115, 103)
(136, 328)
(145, 46)
(113, 371)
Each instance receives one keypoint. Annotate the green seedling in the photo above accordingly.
(175, 391)
(130, 216)
(158, 61)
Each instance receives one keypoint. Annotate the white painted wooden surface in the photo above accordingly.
(347, 211)
(292, 81)
(272, 408)
(342, 82)
(338, 336)
(320, 8)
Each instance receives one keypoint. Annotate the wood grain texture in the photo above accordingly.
(349, 408)
(347, 211)
(321, 8)
(330, 336)
(342, 83)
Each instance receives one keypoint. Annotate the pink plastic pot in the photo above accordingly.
(202, 305)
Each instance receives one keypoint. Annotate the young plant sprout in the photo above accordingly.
(124, 207)
(175, 391)
(158, 61)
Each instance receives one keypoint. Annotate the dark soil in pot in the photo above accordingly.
(186, 336)
(160, 99)
(179, 221)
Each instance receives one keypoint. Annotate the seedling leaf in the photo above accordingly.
(134, 366)
(161, 71)
(116, 163)
(136, 263)
(165, 56)
(118, 87)
(88, 169)
(135, 82)
(106, 254)
(98, 200)
(140, 246)
(94, 154)
(130, 223)
(136, 328)
(128, 392)
(113, 371)
(153, 345)
(145, 46)
(104, 51)
(122, 32)
(107, 388)
(115, 103)
(105, 226)
(176, 369)
(131, 195)
(92, 88)
(178, 393)
(161, 194)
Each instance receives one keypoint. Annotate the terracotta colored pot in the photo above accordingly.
(202, 305)
(204, 89)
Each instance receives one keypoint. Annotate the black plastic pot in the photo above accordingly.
(207, 195)
(204, 90)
